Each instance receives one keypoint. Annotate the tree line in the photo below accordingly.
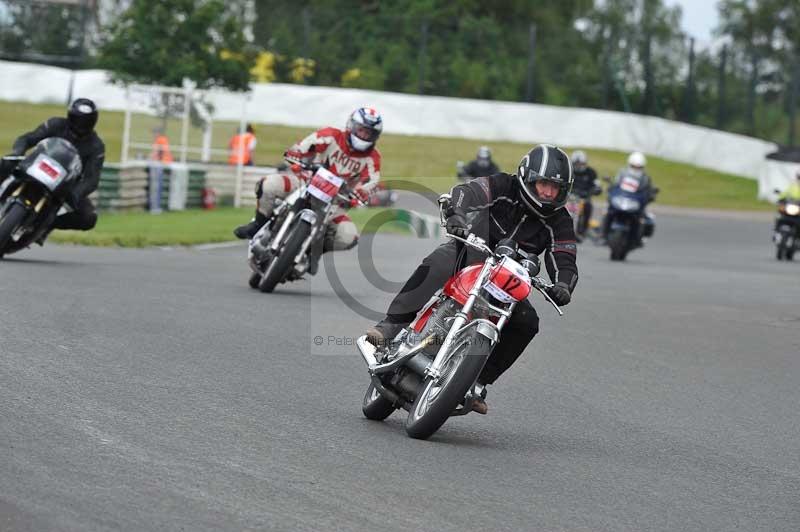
(624, 55)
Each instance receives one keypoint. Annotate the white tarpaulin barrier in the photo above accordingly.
(405, 114)
(776, 175)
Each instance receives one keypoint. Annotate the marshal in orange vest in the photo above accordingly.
(242, 146)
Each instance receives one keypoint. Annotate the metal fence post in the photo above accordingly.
(529, 91)
(723, 59)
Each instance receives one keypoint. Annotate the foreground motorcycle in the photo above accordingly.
(38, 186)
(787, 229)
(431, 367)
(628, 222)
(290, 243)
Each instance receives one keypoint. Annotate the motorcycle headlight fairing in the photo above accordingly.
(625, 204)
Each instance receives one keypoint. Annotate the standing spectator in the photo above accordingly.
(159, 156)
(242, 146)
(161, 152)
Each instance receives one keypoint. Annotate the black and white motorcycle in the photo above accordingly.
(37, 187)
(290, 244)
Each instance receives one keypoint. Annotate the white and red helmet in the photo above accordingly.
(363, 128)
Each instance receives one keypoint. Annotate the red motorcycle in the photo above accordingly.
(431, 367)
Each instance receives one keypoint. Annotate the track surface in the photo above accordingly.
(153, 390)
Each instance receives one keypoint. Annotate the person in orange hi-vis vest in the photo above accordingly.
(242, 147)
(160, 151)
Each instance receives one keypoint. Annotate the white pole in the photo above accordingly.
(126, 131)
(187, 95)
(237, 195)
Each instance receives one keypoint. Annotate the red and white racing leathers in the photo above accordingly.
(327, 146)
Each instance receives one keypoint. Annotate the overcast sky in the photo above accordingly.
(699, 17)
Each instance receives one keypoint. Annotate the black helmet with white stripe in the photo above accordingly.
(544, 163)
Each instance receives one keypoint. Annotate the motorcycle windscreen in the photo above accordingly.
(47, 171)
(325, 185)
(52, 162)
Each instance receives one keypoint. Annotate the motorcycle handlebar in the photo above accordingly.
(538, 283)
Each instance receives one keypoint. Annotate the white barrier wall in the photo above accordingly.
(776, 175)
(405, 114)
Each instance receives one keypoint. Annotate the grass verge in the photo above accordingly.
(186, 228)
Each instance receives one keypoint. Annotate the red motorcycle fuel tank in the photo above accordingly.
(458, 286)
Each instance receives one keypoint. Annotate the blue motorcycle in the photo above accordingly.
(627, 220)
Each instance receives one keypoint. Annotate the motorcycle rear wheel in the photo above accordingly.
(9, 223)
(375, 406)
(437, 400)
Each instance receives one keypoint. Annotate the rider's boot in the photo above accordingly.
(44, 236)
(249, 230)
(383, 332)
(479, 402)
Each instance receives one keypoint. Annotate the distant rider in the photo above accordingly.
(350, 153)
(792, 193)
(78, 129)
(636, 171)
(528, 208)
(483, 165)
(584, 186)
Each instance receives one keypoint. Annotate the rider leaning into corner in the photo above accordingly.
(77, 128)
(351, 154)
(635, 170)
(528, 208)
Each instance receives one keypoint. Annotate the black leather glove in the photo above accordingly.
(457, 225)
(6, 167)
(559, 293)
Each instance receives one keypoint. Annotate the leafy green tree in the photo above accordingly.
(62, 41)
(163, 43)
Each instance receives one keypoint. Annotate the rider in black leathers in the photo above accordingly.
(528, 208)
(77, 128)
(483, 165)
(584, 186)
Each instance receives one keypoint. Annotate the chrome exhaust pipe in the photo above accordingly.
(367, 351)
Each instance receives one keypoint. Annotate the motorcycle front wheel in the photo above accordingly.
(279, 268)
(617, 242)
(439, 398)
(782, 251)
(9, 223)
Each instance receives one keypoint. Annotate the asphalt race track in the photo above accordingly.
(153, 390)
